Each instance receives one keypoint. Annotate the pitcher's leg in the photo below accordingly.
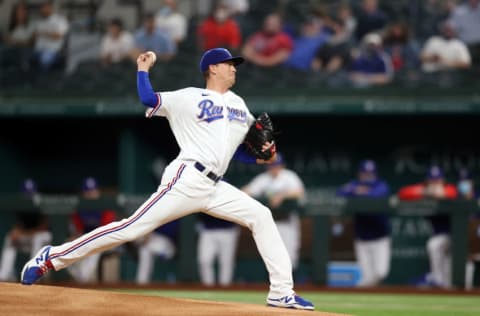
(234, 205)
(167, 204)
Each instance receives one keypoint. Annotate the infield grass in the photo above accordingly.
(350, 303)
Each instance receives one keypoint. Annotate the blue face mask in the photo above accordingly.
(464, 187)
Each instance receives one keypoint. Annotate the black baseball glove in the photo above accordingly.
(258, 135)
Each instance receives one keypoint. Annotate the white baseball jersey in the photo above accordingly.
(266, 184)
(207, 125)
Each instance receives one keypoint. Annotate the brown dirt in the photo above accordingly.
(41, 300)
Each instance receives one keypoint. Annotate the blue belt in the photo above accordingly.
(212, 176)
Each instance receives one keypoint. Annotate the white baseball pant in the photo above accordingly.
(185, 190)
(27, 243)
(438, 247)
(213, 243)
(373, 257)
(155, 245)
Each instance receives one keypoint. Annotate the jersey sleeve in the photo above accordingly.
(167, 101)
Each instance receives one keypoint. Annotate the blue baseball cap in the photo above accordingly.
(434, 173)
(29, 186)
(367, 166)
(216, 56)
(89, 183)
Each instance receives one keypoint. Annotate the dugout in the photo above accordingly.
(66, 141)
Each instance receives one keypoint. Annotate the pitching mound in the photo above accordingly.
(20, 300)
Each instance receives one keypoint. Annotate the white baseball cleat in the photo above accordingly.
(291, 301)
(36, 267)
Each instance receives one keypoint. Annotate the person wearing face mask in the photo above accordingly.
(438, 245)
(401, 48)
(219, 30)
(372, 231)
(371, 66)
(172, 22)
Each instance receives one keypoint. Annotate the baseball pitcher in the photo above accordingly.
(211, 125)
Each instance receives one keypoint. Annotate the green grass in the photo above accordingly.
(351, 303)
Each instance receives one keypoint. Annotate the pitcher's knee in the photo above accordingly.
(262, 217)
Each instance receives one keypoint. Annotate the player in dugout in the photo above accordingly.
(372, 231)
(438, 245)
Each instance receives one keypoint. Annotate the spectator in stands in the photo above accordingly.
(29, 234)
(20, 30)
(445, 52)
(160, 243)
(84, 220)
(438, 246)
(335, 55)
(312, 37)
(219, 30)
(465, 19)
(117, 45)
(172, 22)
(270, 46)
(402, 50)
(372, 231)
(50, 37)
(18, 39)
(425, 16)
(217, 240)
(370, 19)
(150, 38)
(349, 22)
(371, 66)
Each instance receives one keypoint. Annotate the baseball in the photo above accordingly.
(154, 56)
